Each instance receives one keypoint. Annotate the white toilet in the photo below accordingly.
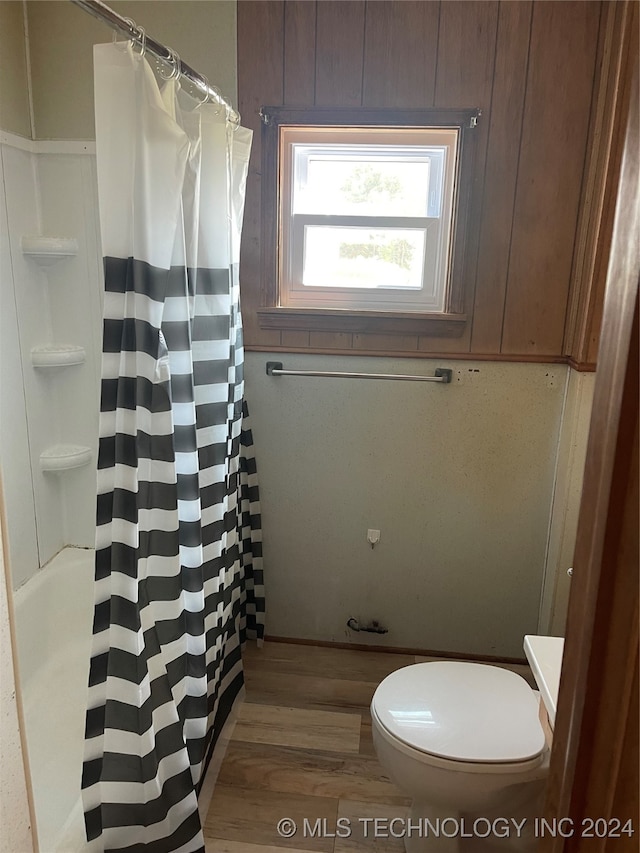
(464, 741)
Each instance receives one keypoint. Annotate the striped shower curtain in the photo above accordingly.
(178, 583)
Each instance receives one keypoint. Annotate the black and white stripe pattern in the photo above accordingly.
(178, 542)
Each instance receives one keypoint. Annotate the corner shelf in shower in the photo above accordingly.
(45, 251)
(62, 457)
(60, 356)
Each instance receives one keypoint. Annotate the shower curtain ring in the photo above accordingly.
(141, 36)
(174, 61)
(206, 87)
(218, 99)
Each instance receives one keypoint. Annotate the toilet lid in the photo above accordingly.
(461, 711)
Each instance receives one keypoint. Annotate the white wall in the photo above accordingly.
(458, 478)
(61, 40)
(572, 451)
(15, 114)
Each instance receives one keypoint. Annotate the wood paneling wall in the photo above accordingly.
(530, 66)
(617, 50)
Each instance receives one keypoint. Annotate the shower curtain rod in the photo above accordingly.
(130, 29)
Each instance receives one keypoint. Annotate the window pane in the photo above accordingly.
(356, 257)
(368, 180)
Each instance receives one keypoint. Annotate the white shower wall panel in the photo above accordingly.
(15, 461)
(28, 287)
(69, 207)
(50, 191)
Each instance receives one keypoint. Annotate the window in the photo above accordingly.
(364, 216)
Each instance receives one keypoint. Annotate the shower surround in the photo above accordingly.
(50, 305)
(50, 312)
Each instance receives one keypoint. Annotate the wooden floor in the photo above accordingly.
(302, 749)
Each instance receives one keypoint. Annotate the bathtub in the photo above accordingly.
(53, 615)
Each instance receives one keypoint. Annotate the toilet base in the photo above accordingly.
(432, 832)
(509, 829)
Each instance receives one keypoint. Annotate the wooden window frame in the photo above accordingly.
(452, 321)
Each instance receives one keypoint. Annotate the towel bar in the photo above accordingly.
(441, 374)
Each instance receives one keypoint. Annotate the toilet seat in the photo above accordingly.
(444, 712)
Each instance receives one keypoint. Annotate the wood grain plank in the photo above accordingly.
(618, 43)
(251, 266)
(386, 343)
(446, 346)
(625, 798)
(339, 53)
(299, 52)
(564, 40)
(298, 727)
(259, 70)
(401, 45)
(309, 772)
(302, 659)
(466, 47)
(259, 83)
(464, 77)
(366, 737)
(382, 40)
(630, 51)
(222, 845)
(505, 126)
(363, 835)
(295, 339)
(330, 340)
(405, 323)
(313, 692)
(594, 183)
(251, 816)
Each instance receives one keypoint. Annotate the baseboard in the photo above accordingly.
(428, 653)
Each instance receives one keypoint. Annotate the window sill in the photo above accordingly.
(362, 322)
